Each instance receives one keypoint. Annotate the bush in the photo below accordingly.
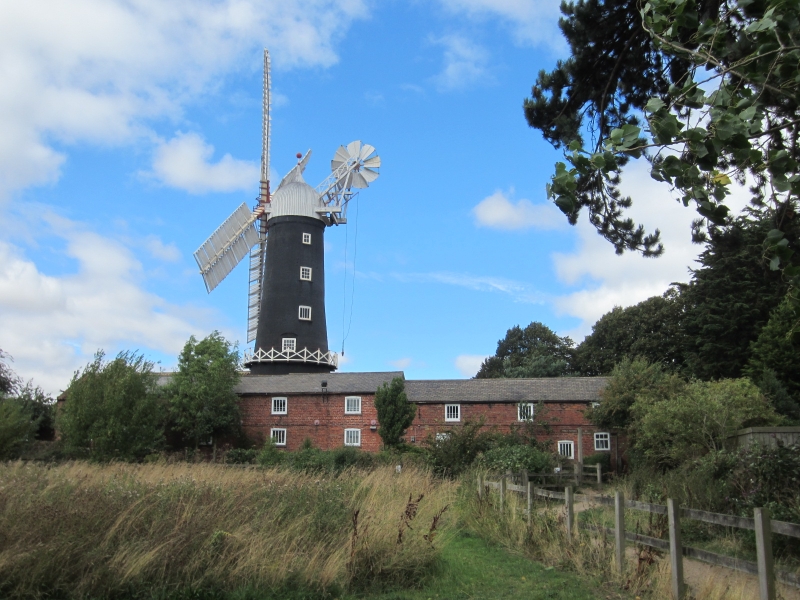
(454, 452)
(270, 456)
(241, 456)
(667, 433)
(17, 428)
(113, 409)
(599, 458)
(517, 458)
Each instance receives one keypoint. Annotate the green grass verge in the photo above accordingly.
(471, 568)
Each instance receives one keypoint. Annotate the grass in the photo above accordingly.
(80, 530)
(472, 569)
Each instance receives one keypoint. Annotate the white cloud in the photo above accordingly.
(606, 279)
(498, 212)
(465, 63)
(184, 163)
(161, 251)
(98, 71)
(468, 364)
(521, 292)
(52, 325)
(532, 21)
(401, 363)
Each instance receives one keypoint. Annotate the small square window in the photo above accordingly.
(442, 437)
(305, 273)
(352, 405)
(602, 441)
(452, 412)
(278, 436)
(565, 448)
(306, 238)
(352, 437)
(525, 411)
(289, 344)
(304, 313)
(279, 406)
(595, 405)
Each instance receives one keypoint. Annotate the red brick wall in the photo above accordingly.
(320, 418)
(563, 420)
(323, 420)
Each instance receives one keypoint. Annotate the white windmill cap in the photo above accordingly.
(295, 198)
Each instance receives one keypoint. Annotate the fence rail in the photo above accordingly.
(761, 523)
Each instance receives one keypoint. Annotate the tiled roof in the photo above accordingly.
(310, 383)
(566, 389)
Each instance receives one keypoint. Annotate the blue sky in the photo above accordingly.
(131, 130)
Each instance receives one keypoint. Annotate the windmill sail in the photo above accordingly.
(258, 253)
(227, 246)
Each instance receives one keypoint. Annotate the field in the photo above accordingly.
(196, 532)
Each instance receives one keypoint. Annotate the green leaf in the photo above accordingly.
(654, 105)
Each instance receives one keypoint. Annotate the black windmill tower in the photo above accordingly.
(284, 235)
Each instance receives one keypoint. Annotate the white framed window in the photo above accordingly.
(304, 313)
(566, 448)
(525, 411)
(278, 436)
(352, 405)
(306, 238)
(441, 437)
(452, 412)
(595, 405)
(602, 441)
(289, 344)
(279, 405)
(352, 437)
(305, 273)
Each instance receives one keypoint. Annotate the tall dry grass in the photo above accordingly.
(81, 529)
(646, 572)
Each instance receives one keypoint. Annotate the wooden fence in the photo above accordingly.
(761, 523)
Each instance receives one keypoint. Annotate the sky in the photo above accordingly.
(131, 129)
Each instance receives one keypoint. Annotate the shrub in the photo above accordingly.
(667, 433)
(17, 429)
(113, 409)
(516, 458)
(454, 452)
(599, 458)
(395, 412)
(270, 456)
(241, 456)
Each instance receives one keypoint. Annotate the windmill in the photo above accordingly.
(284, 236)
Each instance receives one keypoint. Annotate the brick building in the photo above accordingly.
(336, 409)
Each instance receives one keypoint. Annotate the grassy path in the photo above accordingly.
(474, 570)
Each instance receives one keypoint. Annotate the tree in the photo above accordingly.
(668, 432)
(729, 299)
(395, 412)
(113, 409)
(202, 400)
(629, 380)
(777, 351)
(41, 408)
(716, 84)
(535, 351)
(17, 429)
(651, 330)
(9, 382)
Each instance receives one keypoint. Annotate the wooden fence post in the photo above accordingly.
(578, 469)
(599, 473)
(766, 573)
(570, 511)
(527, 492)
(619, 528)
(480, 485)
(502, 492)
(675, 548)
(530, 501)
